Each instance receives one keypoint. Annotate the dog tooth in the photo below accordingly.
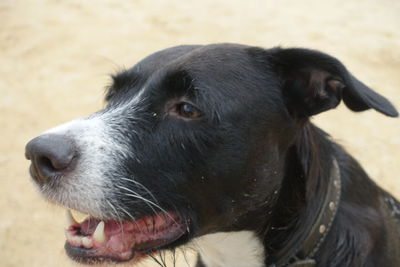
(70, 219)
(79, 216)
(149, 221)
(76, 240)
(87, 242)
(98, 234)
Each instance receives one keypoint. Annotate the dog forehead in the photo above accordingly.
(201, 62)
(192, 58)
(160, 59)
(214, 73)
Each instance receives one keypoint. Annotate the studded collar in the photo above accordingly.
(303, 255)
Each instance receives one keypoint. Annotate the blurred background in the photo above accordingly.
(55, 58)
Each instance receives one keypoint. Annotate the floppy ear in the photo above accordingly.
(314, 82)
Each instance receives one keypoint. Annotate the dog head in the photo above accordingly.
(193, 140)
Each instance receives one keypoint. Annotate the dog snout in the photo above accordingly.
(51, 156)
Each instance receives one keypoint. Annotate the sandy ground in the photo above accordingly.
(55, 57)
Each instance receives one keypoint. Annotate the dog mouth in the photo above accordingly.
(95, 241)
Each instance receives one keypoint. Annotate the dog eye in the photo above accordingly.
(187, 110)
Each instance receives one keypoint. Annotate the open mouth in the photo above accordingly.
(94, 240)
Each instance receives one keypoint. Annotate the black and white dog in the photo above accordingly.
(212, 146)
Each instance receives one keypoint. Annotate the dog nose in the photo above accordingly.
(50, 155)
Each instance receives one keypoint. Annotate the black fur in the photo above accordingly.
(253, 160)
(223, 170)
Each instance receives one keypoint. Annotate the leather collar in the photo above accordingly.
(303, 255)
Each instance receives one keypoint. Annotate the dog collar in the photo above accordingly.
(302, 256)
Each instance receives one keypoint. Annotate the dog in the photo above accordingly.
(213, 146)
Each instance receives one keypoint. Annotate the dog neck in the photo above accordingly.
(244, 248)
(308, 201)
(305, 211)
(301, 252)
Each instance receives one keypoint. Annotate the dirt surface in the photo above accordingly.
(55, 57)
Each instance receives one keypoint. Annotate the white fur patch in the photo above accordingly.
(100, 141)
(231, 249)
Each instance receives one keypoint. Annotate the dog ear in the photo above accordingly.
(314, 82)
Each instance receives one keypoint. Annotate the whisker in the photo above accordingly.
(183, 252)
(130, 216)
(174, 257)
(150, 193)
(119, 219)
(161, 255)
(141, 185)
(155, 259)
(116, 214)
(149, 202)
(136, 195)
(127, 213)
